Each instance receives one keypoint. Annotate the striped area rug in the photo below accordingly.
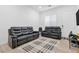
(40, 46)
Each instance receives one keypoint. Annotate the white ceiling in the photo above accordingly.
(43, 7)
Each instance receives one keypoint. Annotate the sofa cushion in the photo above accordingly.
(16, 34)
(25, 33)
(24, 37)
(16, 30)
(54, 33)
(45, 33)
(52, 29)
(27, 30)
(35, 34)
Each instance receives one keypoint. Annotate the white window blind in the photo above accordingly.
(50, 20)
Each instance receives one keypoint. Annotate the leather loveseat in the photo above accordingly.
(52, 32)
(20, 35)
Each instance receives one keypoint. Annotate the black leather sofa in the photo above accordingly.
(52, 32)
(20, 35)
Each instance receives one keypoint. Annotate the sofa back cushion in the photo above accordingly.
(21, 30)
(53, 29)
(27, 30)
(16, 30)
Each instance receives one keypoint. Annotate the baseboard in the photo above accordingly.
(65, 38)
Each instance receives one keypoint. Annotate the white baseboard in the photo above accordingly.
(65, 38)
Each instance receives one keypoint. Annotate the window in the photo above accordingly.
(50, 20)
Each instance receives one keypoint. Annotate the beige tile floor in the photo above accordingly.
(62, 46)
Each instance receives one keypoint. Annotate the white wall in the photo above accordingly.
(65, 15)
(16, 16)
(25, 16)
(77, 27)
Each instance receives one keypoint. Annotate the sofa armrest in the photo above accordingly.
(35, 31)
(12, 41)
(44, 31)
